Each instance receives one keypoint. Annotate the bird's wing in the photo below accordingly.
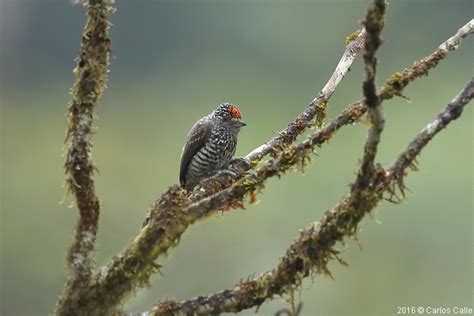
(197, 137)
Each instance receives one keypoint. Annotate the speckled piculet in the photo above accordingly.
(210, 145)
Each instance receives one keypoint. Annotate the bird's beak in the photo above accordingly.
(237, 122)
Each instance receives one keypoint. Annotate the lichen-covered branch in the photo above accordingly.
(398, 81)
(396, 84)
(316, 246)
(134, 266)
(301, 153)
(392, 87)
(91, 78)
(374, 23)
(316, 109)
(174, 211)
(451, 112)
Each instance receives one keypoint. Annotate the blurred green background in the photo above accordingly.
(174, 61)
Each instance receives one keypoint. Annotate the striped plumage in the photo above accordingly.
(210, 145)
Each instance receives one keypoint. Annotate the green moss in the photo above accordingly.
(320, 114)
(351, 37)
(398, 81)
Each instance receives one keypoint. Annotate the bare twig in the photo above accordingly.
(91, 77)
(316, 107)
(454, 41)
(315, 247)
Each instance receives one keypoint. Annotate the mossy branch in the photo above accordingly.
(316, 246)
(91, 77)
(315, 112)
(407, 159)
(374, 23)
(398, 81)
(175, 210)
(132, 268)
(204, 204)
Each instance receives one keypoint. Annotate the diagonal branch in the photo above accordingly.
(135, 265)
(91, 77)
(132, 268)
(316, 108)
(172, 213)
(398, 81)
(394, 86)
(300, 154)
(451, 112)
(315, 247)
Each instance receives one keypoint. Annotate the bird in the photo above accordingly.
(210, 145)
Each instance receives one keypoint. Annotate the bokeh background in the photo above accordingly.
(174, 61)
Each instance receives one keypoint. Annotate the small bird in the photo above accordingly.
(210, 145)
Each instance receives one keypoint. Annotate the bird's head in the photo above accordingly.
(229, 114)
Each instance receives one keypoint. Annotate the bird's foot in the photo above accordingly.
(218, 174)
(240, 164)
(228, 172)
(237, 167)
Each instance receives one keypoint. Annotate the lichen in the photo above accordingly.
(351, 37)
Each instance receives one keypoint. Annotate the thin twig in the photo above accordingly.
(315, 247)
(398, 81)
(407, 158)
(316, 108)
(91, 78)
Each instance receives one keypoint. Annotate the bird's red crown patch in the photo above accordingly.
(234, 112)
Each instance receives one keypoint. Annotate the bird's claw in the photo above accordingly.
(218, 174)
(237, 166)
(240, 163)
(229, 172)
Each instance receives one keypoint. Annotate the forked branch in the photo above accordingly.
(315, 112)
(316, 246)
(91, 77)
(407, 158)
(374, 23)
(175, 210)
